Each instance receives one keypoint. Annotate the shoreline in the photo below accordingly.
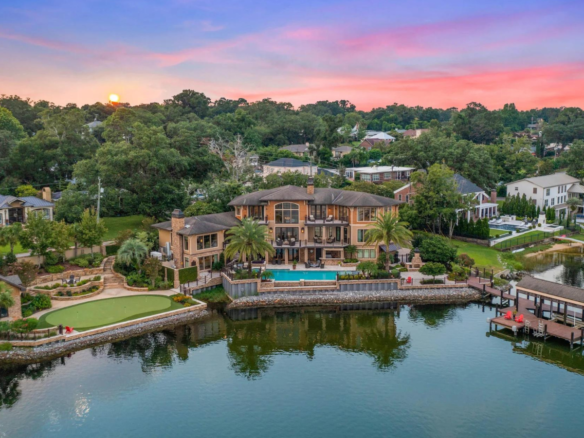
(31, 355)
(418, 296)
(555, 248)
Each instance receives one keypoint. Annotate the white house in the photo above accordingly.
(548, 191)
(282, 165)
(379, 174)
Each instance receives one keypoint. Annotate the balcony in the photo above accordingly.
(262, 220)
(330, 220)
(313, 243)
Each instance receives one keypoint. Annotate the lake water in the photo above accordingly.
(427, 371)
(565, 267)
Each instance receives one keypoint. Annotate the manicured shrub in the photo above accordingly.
(51, 259)
(187, 275)
(57, 269)
(111, 250)
(82, 263)
(41, 302)
(10, 259)
(24, 325)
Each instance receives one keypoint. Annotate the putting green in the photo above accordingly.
(99, 313)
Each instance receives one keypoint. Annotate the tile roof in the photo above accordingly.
(207, 223)
(322, 196)
(296, 148)
(13, 280)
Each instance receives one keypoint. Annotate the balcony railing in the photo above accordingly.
(260, 219)
(324, 220)
(306, 243)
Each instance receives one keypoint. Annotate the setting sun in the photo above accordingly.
(114, 98)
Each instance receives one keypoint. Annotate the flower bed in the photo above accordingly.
(55, 289)
(86, 293)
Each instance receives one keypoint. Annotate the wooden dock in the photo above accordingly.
(532, 311)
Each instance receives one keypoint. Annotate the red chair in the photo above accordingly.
(409, 280)
(68, 330)
(509, 315)
(519, 318)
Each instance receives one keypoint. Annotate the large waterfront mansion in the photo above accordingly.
(305, 224)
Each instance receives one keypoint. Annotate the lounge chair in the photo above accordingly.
(317, 264)
(331, 239)
(293, 242)
(317, 239)
(509, 315)
(519, 319)
(311, 218)
(69, 330)
(409, 280)
(329, 218)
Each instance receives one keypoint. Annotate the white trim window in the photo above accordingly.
(375, 177)
(365, 177)
(366, 253)
(366, 214)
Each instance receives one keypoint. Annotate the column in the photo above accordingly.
(285, 256)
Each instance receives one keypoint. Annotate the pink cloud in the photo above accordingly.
(43, 42)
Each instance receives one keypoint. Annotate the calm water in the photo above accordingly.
(426, 371)
(566, 267)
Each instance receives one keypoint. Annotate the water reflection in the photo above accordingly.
(252, 344)
(11, 378)
(566, 267)
(432, 316)
(550, 352)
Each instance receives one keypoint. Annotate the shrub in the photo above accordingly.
(437, 249)
(465, 260)
(26, 271)
(459, 273)
(82, 263)
(431, 281)
(368, 268)
(51, 259)
(69, 293)
(57, 269)
(27, 312)
(383, 275)
(24, 325)
(6, 346)
(42, 302)
(217, 266)
(96, 278)
(187, 275)
(10, 259)
(395, 273)
(351, 261)
(433, 269)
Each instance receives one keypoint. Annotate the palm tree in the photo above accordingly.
(386, 229)
(350, 250)
(10, 235)
(574, 203)
(249, 239)
(132, 252)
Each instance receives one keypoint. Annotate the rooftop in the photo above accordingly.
(27, 201)
(322, 196)
(207, 223)
(552, 180)
(288, 162)
(561, 291)
(466, 186)
(380, 169)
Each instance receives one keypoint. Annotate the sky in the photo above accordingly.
(421, 52)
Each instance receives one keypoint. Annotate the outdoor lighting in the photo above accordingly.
(302, 230)
(271, 229)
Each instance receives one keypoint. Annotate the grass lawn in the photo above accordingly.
(17, 249)
(578, 237)
(483, 256)
(528, 237)
(116, 224)
(494, 232)
(100, 313)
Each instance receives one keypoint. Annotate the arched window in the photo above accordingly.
(287, 213)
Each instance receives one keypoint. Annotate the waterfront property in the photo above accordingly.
(485, 206)
(305, 224)
(14, 285)
(549, 191)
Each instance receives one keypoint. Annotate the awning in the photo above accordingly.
(392, 247)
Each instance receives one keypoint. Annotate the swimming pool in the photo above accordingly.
(296, 275)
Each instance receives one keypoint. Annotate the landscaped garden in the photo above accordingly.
(109, 311)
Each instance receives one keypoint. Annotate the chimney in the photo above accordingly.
(177, 222)
(310, 186)
(46, 194)
(494, 196)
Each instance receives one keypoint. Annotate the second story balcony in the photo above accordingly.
(320, 220)
(315, 242)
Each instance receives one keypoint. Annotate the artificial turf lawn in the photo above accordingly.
(100, 313)
(116, 224)
(528, 237)
(494, 232)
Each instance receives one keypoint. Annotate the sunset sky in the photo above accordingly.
(373, 53)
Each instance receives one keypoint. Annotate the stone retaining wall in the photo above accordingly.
(53, 278)
(418, 296)
(79, 297)
(112, 334)
(72, 289)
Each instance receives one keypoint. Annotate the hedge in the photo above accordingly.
(111, 249)
(186, 275)
(169, 273)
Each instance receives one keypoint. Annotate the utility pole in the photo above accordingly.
(98, 195)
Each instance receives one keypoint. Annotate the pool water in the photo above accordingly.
(296, 275)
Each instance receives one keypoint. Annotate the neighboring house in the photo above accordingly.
(194, 241)
(485, 206)
(328, 172)
(282, 165)
(95, 124)
(375, 139)
(297, 149)
(548, 191)
(340, 151)
(17, 209)
(15, 286)
(253, 160)
(414, 133)
(304, 224)
(354, 130)
(379, 174)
